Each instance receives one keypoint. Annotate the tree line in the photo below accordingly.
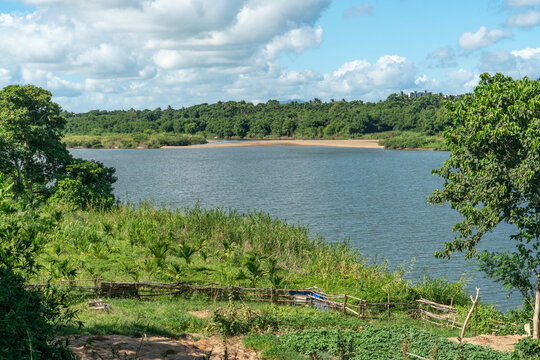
(241, 119)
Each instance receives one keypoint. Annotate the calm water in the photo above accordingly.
(375, 197)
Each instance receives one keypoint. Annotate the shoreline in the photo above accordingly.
(357, 143)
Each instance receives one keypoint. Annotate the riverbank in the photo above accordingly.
(357, 143)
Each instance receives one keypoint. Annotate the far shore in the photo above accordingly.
(357, 143)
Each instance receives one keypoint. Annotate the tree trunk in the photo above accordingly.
(536, 316)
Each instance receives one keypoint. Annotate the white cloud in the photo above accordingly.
(389, 72)
(296, 40)
(516, 63)
(527, 53)
(527, 19)
(519, 3)
(482, 38)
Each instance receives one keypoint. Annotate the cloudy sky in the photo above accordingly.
(119, 54)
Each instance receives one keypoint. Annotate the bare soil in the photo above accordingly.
(500, 343)
(189, 347)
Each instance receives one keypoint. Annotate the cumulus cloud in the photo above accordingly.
(527, 19)
(482, 38)
(296, 40)
(443, 57)
(358, 11)
(388, 72)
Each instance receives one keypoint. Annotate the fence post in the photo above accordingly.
(272, 295)
(364, 309)
(345, 304)
(388, 307)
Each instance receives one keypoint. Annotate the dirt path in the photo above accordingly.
(153, 347)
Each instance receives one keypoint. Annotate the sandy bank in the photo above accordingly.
(364, 143)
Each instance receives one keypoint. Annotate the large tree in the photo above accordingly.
(493, 177)
(31, 153)
(33, 157)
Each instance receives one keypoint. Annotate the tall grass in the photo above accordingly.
(131, 141)
(147, 243)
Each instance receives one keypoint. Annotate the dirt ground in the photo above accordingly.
(152, 347)
(501, 343)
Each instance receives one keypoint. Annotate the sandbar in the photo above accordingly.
(357, 143)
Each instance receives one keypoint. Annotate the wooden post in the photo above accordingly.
(345, 304)
(388, 307)
(272, 295)
(536, 316)
(474, 301)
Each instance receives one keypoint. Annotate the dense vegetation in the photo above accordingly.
(313, 119)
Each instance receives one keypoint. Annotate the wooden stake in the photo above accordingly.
(474, 301)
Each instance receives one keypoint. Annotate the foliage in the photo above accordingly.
(35, 160)
(31, 153)
(312, 119)
(131, 141)
(493, 173)
(374, 343)
(527, 348)
(120, 244)
(443, 291)
(413, 140)
(237, 320)
(28, 318)
(85, 183)
(260, 342)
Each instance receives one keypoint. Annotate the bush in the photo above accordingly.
(237, 320)
(527, 349)
(29, 320)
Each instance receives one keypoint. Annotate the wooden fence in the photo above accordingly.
(442, 315)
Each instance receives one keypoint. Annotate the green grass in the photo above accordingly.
(201, 246)
(412, 140)
(131, 141)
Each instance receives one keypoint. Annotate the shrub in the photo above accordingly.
(237, 320)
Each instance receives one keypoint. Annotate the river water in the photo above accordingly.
(375, 197)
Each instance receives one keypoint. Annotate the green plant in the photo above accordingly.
(527, 349)
(236, 320)
(185, 251)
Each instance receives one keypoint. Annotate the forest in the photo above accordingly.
(312, 119)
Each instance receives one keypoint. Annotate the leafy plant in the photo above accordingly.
(185, 251)
(236, 320)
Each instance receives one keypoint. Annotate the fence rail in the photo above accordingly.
(439, 314)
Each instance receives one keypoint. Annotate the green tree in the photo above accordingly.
(493, 175)
(85, 183)
(33, 157)
(31, 153)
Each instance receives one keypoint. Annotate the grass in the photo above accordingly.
(131, 141)
(147, 243)
(170, 316)
(412, 140)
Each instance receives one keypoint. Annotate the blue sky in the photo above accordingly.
(119, 54)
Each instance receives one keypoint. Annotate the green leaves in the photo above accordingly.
(493, 173)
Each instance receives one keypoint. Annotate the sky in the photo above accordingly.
(144, 54)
